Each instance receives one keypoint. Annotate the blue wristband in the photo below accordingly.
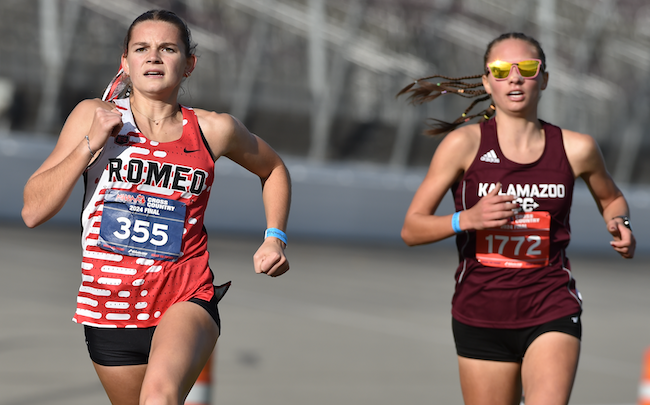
(455, 222)
(276, 233)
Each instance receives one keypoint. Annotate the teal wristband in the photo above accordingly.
(455, 222)
(276, 233)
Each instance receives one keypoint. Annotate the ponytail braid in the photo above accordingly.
(460, 86)
(443, 127)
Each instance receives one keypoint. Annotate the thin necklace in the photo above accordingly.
(151, 119)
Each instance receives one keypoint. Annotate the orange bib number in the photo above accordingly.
(521, 243)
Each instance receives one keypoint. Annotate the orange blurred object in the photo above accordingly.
(644, 384)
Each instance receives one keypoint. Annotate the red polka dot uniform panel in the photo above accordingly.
(144, 245)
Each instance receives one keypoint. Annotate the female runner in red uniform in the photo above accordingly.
(516, 310)
(147, 300)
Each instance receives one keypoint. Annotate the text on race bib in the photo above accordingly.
(140, 225)
(521, 243)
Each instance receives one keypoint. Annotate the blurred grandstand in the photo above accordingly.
(318, 78)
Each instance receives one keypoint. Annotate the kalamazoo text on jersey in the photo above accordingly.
(525, 194)
(526, 190)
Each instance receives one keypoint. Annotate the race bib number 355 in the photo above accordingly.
(522, 243)
(139, 225)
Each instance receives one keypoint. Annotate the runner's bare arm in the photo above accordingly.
(230, 138)
(588, 163)
(48, 189)
(451, 159)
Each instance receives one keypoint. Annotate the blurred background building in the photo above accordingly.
(318, 78)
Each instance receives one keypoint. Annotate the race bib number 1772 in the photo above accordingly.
(522, 243)
(140, 225)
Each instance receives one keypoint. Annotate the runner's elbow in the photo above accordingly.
(408, 237)
(28, 218)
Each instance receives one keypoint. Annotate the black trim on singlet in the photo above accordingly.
(205, 141)
(83, 202)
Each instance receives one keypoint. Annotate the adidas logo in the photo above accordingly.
(490, 157)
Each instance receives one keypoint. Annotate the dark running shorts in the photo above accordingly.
(507, 344)
(130, 347)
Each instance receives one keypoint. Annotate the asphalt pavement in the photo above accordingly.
(350, 323)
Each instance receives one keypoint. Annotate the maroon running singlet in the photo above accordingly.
(517, 275)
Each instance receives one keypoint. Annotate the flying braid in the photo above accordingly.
(428, 90)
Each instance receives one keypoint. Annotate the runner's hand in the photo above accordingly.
(270, 258)
(105, 123)
(491, 211)
(624, 242)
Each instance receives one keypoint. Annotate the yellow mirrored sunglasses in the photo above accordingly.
(528, 69)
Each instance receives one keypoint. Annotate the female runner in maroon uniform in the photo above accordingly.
(148, 167)
(516, 311)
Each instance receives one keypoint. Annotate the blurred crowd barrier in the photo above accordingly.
(318, 78)
(341, 202)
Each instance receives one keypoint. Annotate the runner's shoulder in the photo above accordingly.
(461, 143)
(578, 146)
(85, 109)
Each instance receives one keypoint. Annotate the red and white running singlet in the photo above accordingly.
(144, 245)
(517, 275)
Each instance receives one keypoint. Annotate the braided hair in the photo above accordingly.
(425, 89)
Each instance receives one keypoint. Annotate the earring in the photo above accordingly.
(187, 74)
